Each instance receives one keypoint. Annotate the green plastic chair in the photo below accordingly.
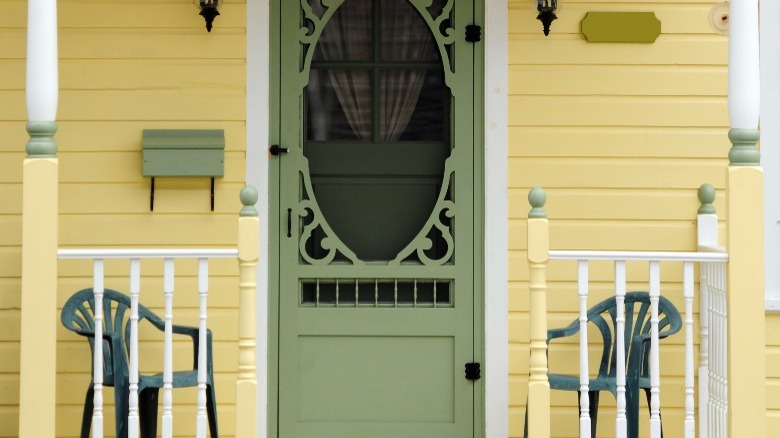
(637, 348)
(78, 316)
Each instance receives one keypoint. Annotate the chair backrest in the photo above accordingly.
(78, 315)
(636, 333)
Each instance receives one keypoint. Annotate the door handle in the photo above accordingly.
(277, 150)
(289, 222)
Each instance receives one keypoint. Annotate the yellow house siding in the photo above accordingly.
(620, 136)
(125, 67)
(12, 140)
(773, 371)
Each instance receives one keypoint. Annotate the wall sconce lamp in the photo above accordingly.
(546, 15)
(209, 9)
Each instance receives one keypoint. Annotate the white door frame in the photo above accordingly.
(496, 340)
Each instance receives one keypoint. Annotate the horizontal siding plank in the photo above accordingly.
(123, 43)
(223, 291)
(619, 141)
(10, 293)
(617, 111)
(10, 261)
(773, 329)
(69, 419)
(12, 166)
(564, 49)
(10, 321)
(171, 195)
(600, 272)
(71, 389)
(562, 294)
(74, 357)
(11, 194)
(223, 324)
(623, 80)
(610, 235)
(109, 136)
(223, 288)
(117, 105)
(615, 173)
(9, 355)
(148, 230)
(135, 74)
(10, 230)
(773, 394)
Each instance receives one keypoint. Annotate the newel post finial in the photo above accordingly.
(537, 198)
(248, 197)
(706, 197)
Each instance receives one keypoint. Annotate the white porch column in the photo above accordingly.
(39, 228)
(745, 237)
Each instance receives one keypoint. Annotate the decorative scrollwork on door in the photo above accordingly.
(438, 227)
(318, 244)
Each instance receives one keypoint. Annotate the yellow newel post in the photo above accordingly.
(538, 254)
(38, 355)
(746, 367)
(248, 255)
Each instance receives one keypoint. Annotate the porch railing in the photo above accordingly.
(247, 254)
(712, 381)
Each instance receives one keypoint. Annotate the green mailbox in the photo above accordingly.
(183, 153)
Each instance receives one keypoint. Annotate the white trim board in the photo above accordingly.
(770, 149)
(257, 133)
(496, 341)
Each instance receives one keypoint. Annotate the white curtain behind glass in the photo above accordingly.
(405, 37)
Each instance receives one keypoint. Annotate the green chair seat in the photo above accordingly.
(78, 315)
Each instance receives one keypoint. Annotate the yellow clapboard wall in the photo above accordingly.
(125, 67)
(620, 136)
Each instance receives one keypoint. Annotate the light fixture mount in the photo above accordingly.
(209, 9)
(546, 15)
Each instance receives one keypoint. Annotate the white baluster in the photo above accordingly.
(621, 425)
(722, 353)
(655, 390)
(704, 349)
(715, 362)
(167, 415)
(718, 361)
(582, 279)
(203, 288)
(97, 367)
(689, 428)
(135, 289)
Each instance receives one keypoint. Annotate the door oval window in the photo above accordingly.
(377, 125)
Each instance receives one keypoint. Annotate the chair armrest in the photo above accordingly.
(194, 333)
(571, 330)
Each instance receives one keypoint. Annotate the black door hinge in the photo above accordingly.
(473, 33)
(472, 371)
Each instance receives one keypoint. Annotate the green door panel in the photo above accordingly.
(375, 229)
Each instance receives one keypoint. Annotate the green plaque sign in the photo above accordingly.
(620, 27)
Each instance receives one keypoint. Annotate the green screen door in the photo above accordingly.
(375, 177)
